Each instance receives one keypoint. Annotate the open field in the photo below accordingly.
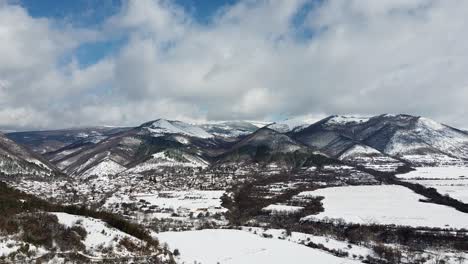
(385, 204)
(240, 247)
(451, 181)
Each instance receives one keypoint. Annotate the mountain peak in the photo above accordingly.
(346, 119)
(161, 127)
(226, 129)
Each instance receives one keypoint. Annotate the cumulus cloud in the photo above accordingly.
(33, 78)
(252, 60)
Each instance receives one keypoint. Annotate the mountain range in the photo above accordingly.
(384, 142)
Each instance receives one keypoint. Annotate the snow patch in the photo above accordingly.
(359, 150)
(282, 209)
(431, 124)
(105, 167)
(345, 119)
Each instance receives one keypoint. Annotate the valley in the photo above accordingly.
(345, 189)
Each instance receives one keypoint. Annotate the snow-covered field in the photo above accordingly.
(240, 247)
(457, 189)
(449, 172)
(452, 181)
(384, 204)
(303, 238)
(188, 201)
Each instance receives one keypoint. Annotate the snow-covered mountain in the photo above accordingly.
(130, 148)
(169, 158)
(384, 141)
(163, 127)
(448, 143)
(271, 139)
(164, 143)
(412, 138)
(230, 129)
(295, 123)
(261, 146)
(51, 140)
(17, 160)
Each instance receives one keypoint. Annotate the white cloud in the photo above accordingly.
(250, 61)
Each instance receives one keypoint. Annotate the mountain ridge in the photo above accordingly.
(388, 140)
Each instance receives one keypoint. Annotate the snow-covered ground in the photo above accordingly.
(100, 241)
(282, 209)
(432, 158)
(370, 158)
(303, 238)
(452, 181)
(240, 247)
(10, 245)
(7, 246)
(457, 189)
(384, 204)
(99, 234)
(361, 150)
(105, 167)
(449, 172)
(185, 201)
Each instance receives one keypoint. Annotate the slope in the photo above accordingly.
(17, 160)
(47, 141)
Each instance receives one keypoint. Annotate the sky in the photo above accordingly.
(121, 63)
